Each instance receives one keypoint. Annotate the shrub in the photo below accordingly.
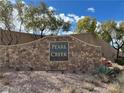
(104, 69)
(120, 61)
(111, 72)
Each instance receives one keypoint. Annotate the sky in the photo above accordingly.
(100, 9)
(74, 10)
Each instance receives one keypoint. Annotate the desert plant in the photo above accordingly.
(111, 72)
(120, 61)
(104, 69)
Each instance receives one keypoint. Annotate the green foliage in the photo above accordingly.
(104, 70)
(108, 25)
(20, 8)
(6, 18)
(106, 36)
(120, 61)
(122, 27)
(40, 18)
(87, 24)
(113, 33)
(106, 28)
(6, 9)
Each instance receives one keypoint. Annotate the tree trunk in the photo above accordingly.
(41, 32)
(117, 54)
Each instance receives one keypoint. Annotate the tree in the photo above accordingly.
(86, 24)
(113, 34)
(6, 18)
(107, 29)
(20, 8)
(33, 18)
(40, 18)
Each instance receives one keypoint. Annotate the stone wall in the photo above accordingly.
(14, 37)
(35, 56)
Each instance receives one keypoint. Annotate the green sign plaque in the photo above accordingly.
(58, 51)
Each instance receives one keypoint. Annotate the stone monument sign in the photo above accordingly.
(59, 51)
(65, 53)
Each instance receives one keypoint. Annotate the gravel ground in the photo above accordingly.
(49, 82)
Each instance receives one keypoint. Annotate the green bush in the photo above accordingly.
(120, 61)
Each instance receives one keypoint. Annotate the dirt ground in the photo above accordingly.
(49, 82)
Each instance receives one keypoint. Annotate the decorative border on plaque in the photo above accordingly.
(59, 51)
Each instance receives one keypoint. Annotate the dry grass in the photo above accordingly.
(1, 76)
(118, 86)
(120, 78)
(89, 87)
(41, 81)
(114, 88)
(68, 90)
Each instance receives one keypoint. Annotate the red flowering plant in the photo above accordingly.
(106, 62)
